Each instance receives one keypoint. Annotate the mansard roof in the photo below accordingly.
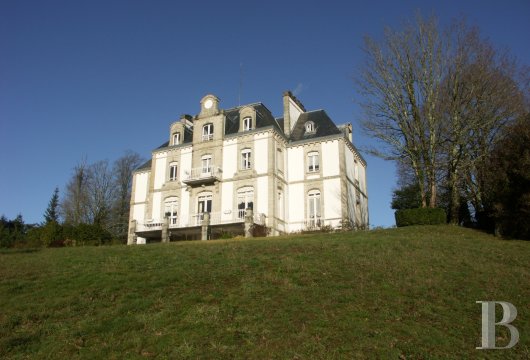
(144, 166)
(264, 118)
(323, 125)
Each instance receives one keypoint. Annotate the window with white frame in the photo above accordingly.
(173, 171)
(313, 208)
(171, 210)
(279, 160)
(206, 164)
(207, 132)
(247, 124)
(313, 164)
(176, 138)
(245, 200)
(310, 127)
(204, 202)
(280, 204)
(245, 159)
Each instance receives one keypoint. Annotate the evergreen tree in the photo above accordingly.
(52, 215)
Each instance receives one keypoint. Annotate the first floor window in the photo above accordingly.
(206, 164)
(312, 161)
(171, 210)
(313, 208)
(173, 174)
(245, 159)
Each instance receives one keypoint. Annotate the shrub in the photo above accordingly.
(420, 216)
(86, 234)
(260, 230)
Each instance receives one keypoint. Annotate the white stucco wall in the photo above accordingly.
(330, 158)
(262, 196)
(185, 162)
(227, 207)
(294, 112)
(160, 170)
(155, 215)
(184, 204)
(332, 199)
(297, 203)
(230, 158)
(139, 213)
(141, 186)
(295, 163)
(350, 163)
(261, 155)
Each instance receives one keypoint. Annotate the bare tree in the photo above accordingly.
(74, 205)
(479, 97)
(123, 173)
(401, 84)
(101, 194)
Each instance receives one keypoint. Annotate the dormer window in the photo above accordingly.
(176, 138)
(207, 132)
(309, 127)
(247, 124)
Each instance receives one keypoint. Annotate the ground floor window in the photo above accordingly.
(171, 210)
(313, 208)
(245, 200)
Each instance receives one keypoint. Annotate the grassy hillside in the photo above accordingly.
(400, 293)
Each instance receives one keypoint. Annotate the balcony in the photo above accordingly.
(202, 175)
(216, 218)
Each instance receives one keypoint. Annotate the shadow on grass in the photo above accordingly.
(19, 251)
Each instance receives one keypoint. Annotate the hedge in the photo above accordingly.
(420, 216)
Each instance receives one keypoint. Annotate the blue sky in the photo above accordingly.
(91, 79)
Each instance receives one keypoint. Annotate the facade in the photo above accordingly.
(225, 171)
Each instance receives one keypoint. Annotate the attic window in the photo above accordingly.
(309, 127)
(247, 124)
(176, 138)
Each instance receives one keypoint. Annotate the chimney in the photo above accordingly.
(292, 108)
(286, 115)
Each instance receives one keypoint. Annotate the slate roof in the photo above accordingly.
(264, 118)
(144, 166)
(324, 126)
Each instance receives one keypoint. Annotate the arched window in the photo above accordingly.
(176, 138)
(207, 132)
(313, 163)
(313, 208)
(245, 159)
(309, 127)
(171, 210)
(245, 200)
(173, 171)
(247, 123)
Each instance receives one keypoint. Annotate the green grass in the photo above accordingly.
(400, 293)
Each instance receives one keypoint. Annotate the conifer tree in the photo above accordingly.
(52, 215)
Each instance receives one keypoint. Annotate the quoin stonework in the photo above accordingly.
(235, 170)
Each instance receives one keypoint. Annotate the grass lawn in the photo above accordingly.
(388, 294)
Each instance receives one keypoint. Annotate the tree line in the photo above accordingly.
(453, 112)
(94, 208)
